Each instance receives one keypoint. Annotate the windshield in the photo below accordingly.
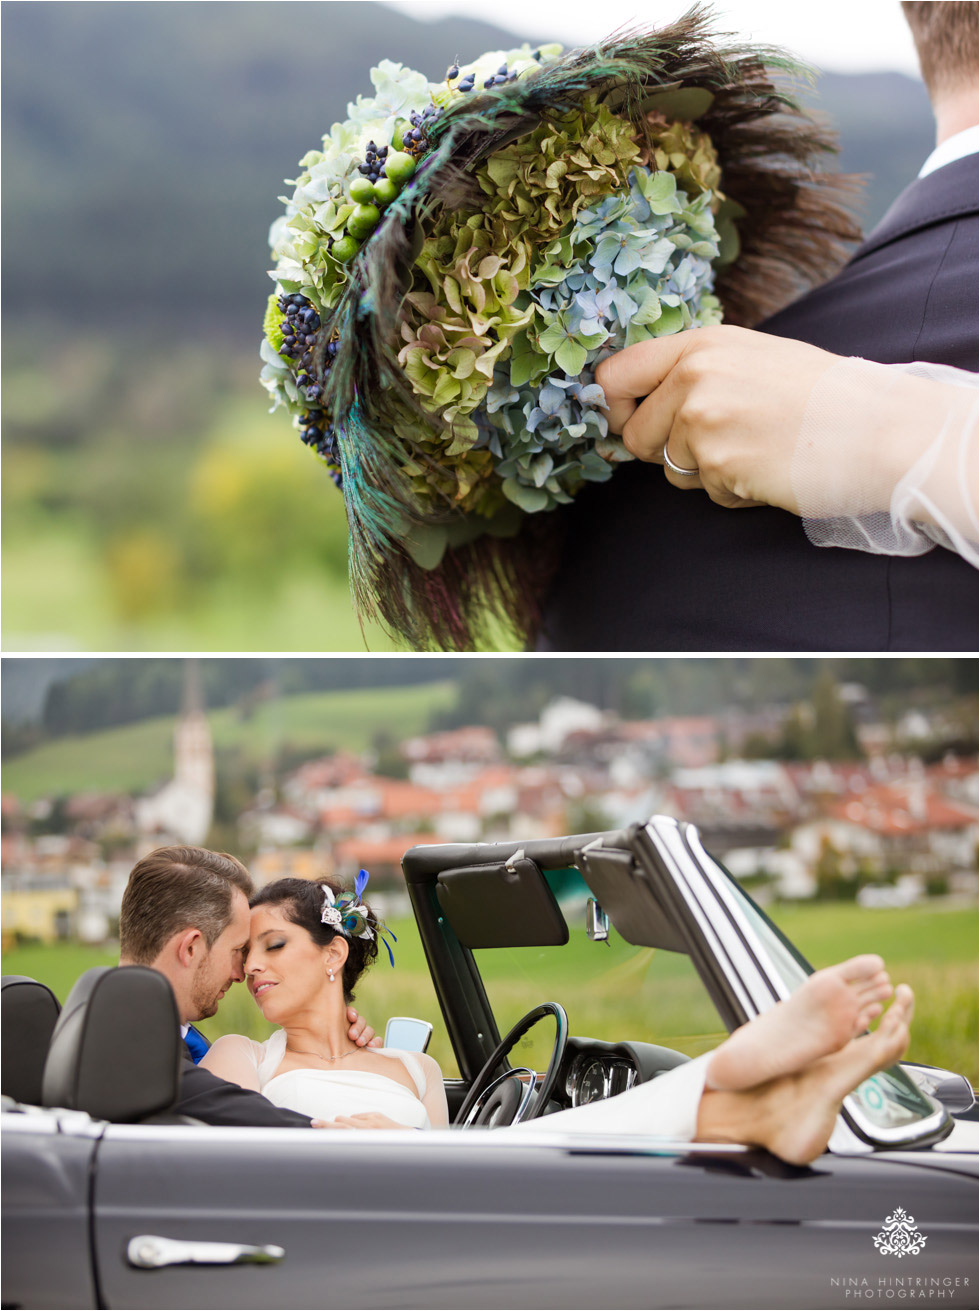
(612, 991)
(889, 1100)
(616, 992)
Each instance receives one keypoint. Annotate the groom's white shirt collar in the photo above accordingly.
(955, 147)
(183, 1030)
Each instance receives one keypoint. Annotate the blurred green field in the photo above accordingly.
(134, 757)
(637, 993)
(159, 506)
(152, 503)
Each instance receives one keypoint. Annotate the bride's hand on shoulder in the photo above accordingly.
(360, 1031)
(363, 1120)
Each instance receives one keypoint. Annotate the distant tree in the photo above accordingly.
(389, 760)
(587, 817)
(832, 882)
(755, 746)
(54, 821)
(795, 737)
(821, 728)
(834, 736)
(236, 783)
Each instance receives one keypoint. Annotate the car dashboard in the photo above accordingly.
(592, 1070)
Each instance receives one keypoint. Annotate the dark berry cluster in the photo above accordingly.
(500, 77)
(414, 138)
(319, 434)
(495, 79)
(453, 73)
(374, 160)
(299, 329)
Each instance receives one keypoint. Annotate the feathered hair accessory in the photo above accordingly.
(458, 257)
(348, 915)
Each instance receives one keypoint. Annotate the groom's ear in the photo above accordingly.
(189, 946)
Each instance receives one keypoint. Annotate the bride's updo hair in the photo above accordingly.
(301, 901)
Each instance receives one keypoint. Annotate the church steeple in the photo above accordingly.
(181, 811)
(192, 695)
(193, 749)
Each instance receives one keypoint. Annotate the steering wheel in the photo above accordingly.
(507, 1098)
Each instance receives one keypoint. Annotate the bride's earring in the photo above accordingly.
(330, 975)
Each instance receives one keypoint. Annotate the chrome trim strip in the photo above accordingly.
(665, 835)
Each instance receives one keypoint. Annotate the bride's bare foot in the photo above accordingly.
(803, 1107)
(825, 1013)
(794, 1116)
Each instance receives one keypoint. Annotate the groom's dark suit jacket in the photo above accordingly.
(206, 1097)
(647, 566)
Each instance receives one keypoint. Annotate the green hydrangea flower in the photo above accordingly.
(471, 486)
(272, 323)
(537, 184)
(687, 153)
(457, 330)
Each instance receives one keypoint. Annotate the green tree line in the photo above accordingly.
(501, 691)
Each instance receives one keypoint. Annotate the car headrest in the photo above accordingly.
(115, 1051)
(28, 1011)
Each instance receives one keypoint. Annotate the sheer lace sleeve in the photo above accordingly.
(919, 487)
(434, 1097)
(428, 1082)
(235, 1059)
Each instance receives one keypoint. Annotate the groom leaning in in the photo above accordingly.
(185, 914)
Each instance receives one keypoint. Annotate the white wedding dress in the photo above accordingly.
(665, 1107)
(325, 1094)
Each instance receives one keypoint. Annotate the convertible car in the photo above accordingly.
(109, 1201)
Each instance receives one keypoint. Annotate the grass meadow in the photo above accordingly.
(135, 757)
(637, 993)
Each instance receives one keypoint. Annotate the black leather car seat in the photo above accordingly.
(28, 1013)
(115, 1051)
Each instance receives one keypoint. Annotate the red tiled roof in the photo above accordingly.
(380, 851)
(894, 810)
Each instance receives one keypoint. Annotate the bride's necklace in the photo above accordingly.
(296, 1051)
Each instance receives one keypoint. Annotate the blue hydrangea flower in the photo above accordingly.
(633, 266)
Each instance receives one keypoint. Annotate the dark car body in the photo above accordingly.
(164, 1215)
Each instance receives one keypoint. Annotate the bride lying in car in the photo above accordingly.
(777, 1082)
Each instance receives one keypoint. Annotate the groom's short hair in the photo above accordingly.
(175, 888)
(945, 35)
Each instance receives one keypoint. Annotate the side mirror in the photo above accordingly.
(954, 1091)
(406, 1034)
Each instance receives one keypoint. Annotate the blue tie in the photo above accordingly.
(196, 1044)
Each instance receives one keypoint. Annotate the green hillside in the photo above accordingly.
(138, 756)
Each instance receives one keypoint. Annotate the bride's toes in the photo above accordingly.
(866, 1015)
(876, 989)
(861, 969)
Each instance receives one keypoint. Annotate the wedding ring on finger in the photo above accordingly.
(676, 468)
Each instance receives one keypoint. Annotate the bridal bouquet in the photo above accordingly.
(456, 259)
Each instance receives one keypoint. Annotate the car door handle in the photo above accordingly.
(151, 1252)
